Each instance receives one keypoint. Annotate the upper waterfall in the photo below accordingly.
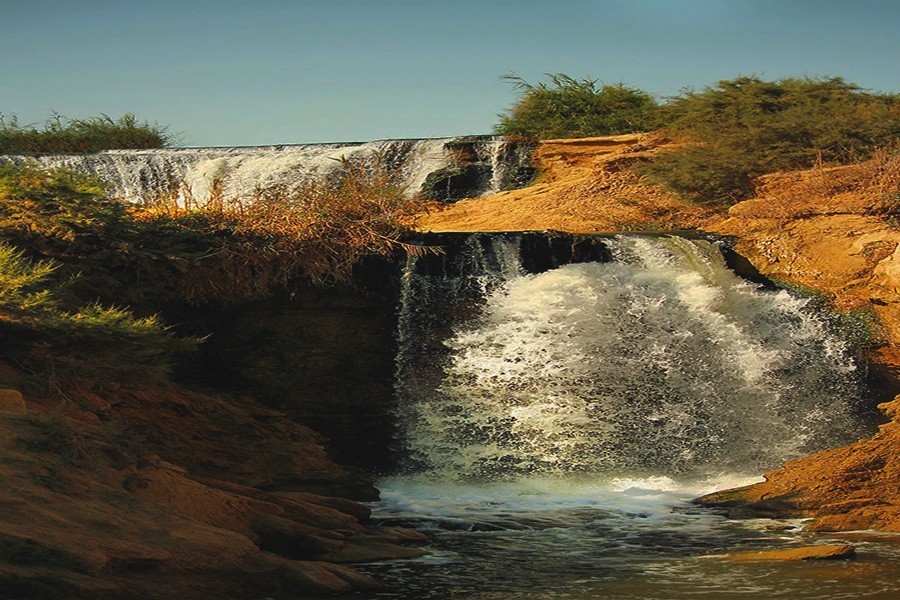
(661, 362)
(490, 163)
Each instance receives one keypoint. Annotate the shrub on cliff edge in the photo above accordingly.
(93, 341)
(742, 128)
(180, 248)
(318, 230)
(572, 108)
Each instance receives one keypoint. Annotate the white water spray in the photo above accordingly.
(137, 175)
(660, 363)
(558, 424)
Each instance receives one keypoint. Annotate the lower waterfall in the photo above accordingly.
(659, 362)
(555, 425)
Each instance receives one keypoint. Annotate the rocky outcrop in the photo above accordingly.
(827, 230)
(584, 186)
(159, 493)
(844, 489)
(821, 552)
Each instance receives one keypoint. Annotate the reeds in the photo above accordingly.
(306, 227)
(60, 135)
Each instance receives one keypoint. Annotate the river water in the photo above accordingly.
(555, 427)
(622, 539)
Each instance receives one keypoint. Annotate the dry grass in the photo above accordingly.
(883, 177)
(317, 229)
(871, 187)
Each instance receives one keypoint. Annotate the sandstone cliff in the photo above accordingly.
(158, 493)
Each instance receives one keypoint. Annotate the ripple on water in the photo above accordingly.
(560, 539)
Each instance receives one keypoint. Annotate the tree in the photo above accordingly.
(741, 128)
(569, 107)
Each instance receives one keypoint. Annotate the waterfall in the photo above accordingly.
(557, 419)
(661, 362)
(136, 175)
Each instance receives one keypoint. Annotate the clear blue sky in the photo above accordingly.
(239, 72)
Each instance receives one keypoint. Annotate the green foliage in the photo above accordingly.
(82, 249)
(58, 203)
(90, 341)
(568, 107)
(745, 127)
(21, 283)
(178, 248)
(66, 136)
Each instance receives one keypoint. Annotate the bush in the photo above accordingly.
(883, 177)
(37, 201)
(569, 107)
(745, 127)
(83, 248)
(67, 136)
(92, 341)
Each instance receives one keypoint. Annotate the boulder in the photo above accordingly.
(11, 401)
(821, 552)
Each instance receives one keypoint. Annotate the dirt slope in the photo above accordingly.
(584, 187)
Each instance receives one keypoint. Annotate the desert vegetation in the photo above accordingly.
(60, 135)
(56, 345)
(69, 256)
(737, 130)
(316, 229)
(729, 133)
(569, 107)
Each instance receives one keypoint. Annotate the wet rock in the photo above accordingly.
(830, 552)
(292, 539)
(367, 548)
(360, 511)
(456, 182)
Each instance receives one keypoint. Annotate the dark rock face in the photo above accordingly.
(481, 166)
(539, 251)
(457, 182)
(324, 356)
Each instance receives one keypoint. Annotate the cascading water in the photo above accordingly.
(555, 425)
(137, 175)
(661, 362)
